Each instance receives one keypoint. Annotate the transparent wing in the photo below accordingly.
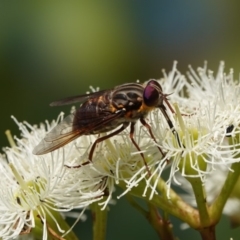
(68, 130)
(59, 136)
(84, 97)
(75, 99)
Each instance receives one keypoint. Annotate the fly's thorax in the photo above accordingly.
(98, 105)
(141, 112)
(128, 97)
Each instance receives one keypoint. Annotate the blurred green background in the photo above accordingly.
(50, 50)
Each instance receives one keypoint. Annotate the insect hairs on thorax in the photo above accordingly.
(127, 96)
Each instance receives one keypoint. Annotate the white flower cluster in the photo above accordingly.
(206, 115)
(32, 186)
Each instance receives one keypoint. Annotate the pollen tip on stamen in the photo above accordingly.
(15, 120)
(10, 139)
(179, 117)
(18, 177)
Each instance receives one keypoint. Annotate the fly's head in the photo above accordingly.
(153, 95)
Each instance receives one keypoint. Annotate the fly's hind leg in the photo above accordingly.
(90, 156)
(123, 127)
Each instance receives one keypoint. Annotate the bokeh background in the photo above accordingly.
(50, 50)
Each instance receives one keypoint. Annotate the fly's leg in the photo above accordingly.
(173, 111)
(170, 124)
(78, 166)
(147, 126)
(90, 156)
(138, 148)
(123, 127)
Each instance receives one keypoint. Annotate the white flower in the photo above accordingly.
(121, 162)
(205, 137)
(36, 187)
(207, 117)
(218, 99)
(212, 187)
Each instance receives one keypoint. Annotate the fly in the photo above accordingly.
(106, 110)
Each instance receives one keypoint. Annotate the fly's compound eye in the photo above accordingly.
(156, 84)
(151, 93)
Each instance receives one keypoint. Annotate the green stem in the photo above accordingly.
(219, 203)
(53, 231)
(99, 222)
(178, 208)
(160, 225)
(136, 205)
(174, 205)
(163, 227)
(208, 233)
(201, 201)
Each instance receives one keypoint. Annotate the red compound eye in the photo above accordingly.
(151, 93)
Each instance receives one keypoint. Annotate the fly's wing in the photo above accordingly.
(75, 99)
(84, 97)
(85, 123)
(59, 136)
(68, 130)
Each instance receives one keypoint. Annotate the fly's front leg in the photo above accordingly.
(170, 124)
(138, 148)
(148, 127)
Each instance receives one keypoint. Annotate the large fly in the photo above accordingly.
(106, 110)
